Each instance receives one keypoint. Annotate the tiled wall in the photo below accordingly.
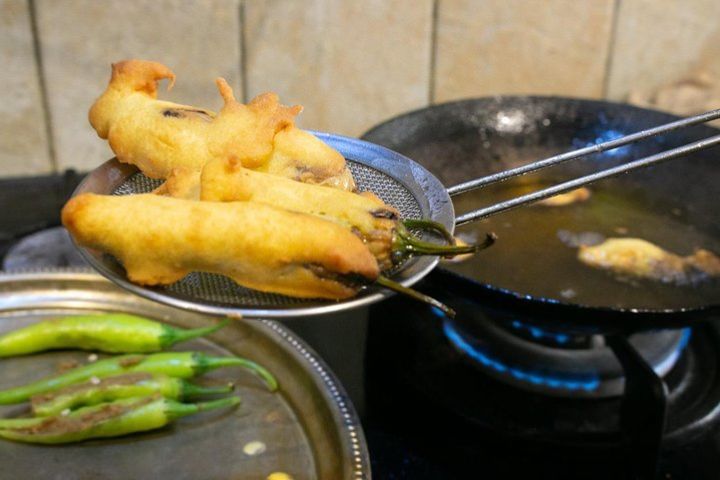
(351, 63)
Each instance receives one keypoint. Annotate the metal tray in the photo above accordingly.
(309, 427)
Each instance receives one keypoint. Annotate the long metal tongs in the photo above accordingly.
(587, 179)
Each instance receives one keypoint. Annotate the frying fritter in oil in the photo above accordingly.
(159, 240)
(639, 258)
(162, 137)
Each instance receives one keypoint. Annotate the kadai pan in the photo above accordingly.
(531, 270)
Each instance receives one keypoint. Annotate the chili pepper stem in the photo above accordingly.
(430, 225)
(405, 244)
(176, 335)
(192, 390)
(396, 287)
(209, 363)
(175, 410)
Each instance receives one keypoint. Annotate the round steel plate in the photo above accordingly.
(309, 427)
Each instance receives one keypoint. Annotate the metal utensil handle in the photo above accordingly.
(587, 179)
(597, 148)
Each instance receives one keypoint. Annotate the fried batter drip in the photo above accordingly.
(163, 138)
(159, 240)
(639, 258)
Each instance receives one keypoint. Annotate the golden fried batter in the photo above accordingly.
(154, 135)
(181, 183)
(159, 240)
(639, 258)
(161, 137)
(365, 214)
(295, 153)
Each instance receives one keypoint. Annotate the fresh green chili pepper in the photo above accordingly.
(174, 364)
(139, 384)
(113, 419)
(112, 332)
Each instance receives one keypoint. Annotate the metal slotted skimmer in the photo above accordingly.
(398, 181)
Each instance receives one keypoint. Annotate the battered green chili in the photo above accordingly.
(113, 419)
(138, 384)
(174, 364)
(111, 332)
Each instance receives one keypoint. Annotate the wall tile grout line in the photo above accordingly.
(42, 85)
(611, 48)
(433, 51)
(243, 52)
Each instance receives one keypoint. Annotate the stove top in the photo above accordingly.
(515, 401)
(463, 412)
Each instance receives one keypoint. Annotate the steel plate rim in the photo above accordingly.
(354, 438)
(440, 209)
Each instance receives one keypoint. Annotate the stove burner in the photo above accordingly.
(428, 388)
(587, 383)
(555, 363)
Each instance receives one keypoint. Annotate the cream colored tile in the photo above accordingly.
(23, 139)
(351, 64)
(660, 41)
(522, 47)
(199, 40)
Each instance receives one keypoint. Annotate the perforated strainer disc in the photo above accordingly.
(396, 179)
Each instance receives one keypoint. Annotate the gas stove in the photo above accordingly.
(503, 399)
(520, 401)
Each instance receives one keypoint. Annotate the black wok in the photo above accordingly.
(467, 139)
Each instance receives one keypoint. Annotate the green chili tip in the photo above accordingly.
(175, 410)
(396, 287)
(209, 363)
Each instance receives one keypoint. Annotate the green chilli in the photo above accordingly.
(173, 364)
(108, 389)
(114, 419)
(111, 332)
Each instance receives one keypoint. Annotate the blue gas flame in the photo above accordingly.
(575, 382)
(588, 382)
(539, 333)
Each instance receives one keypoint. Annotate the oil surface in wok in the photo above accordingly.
(530, 257)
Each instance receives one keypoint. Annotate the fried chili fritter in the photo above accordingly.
(161, 137)
(159, 240)
(364, 214)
